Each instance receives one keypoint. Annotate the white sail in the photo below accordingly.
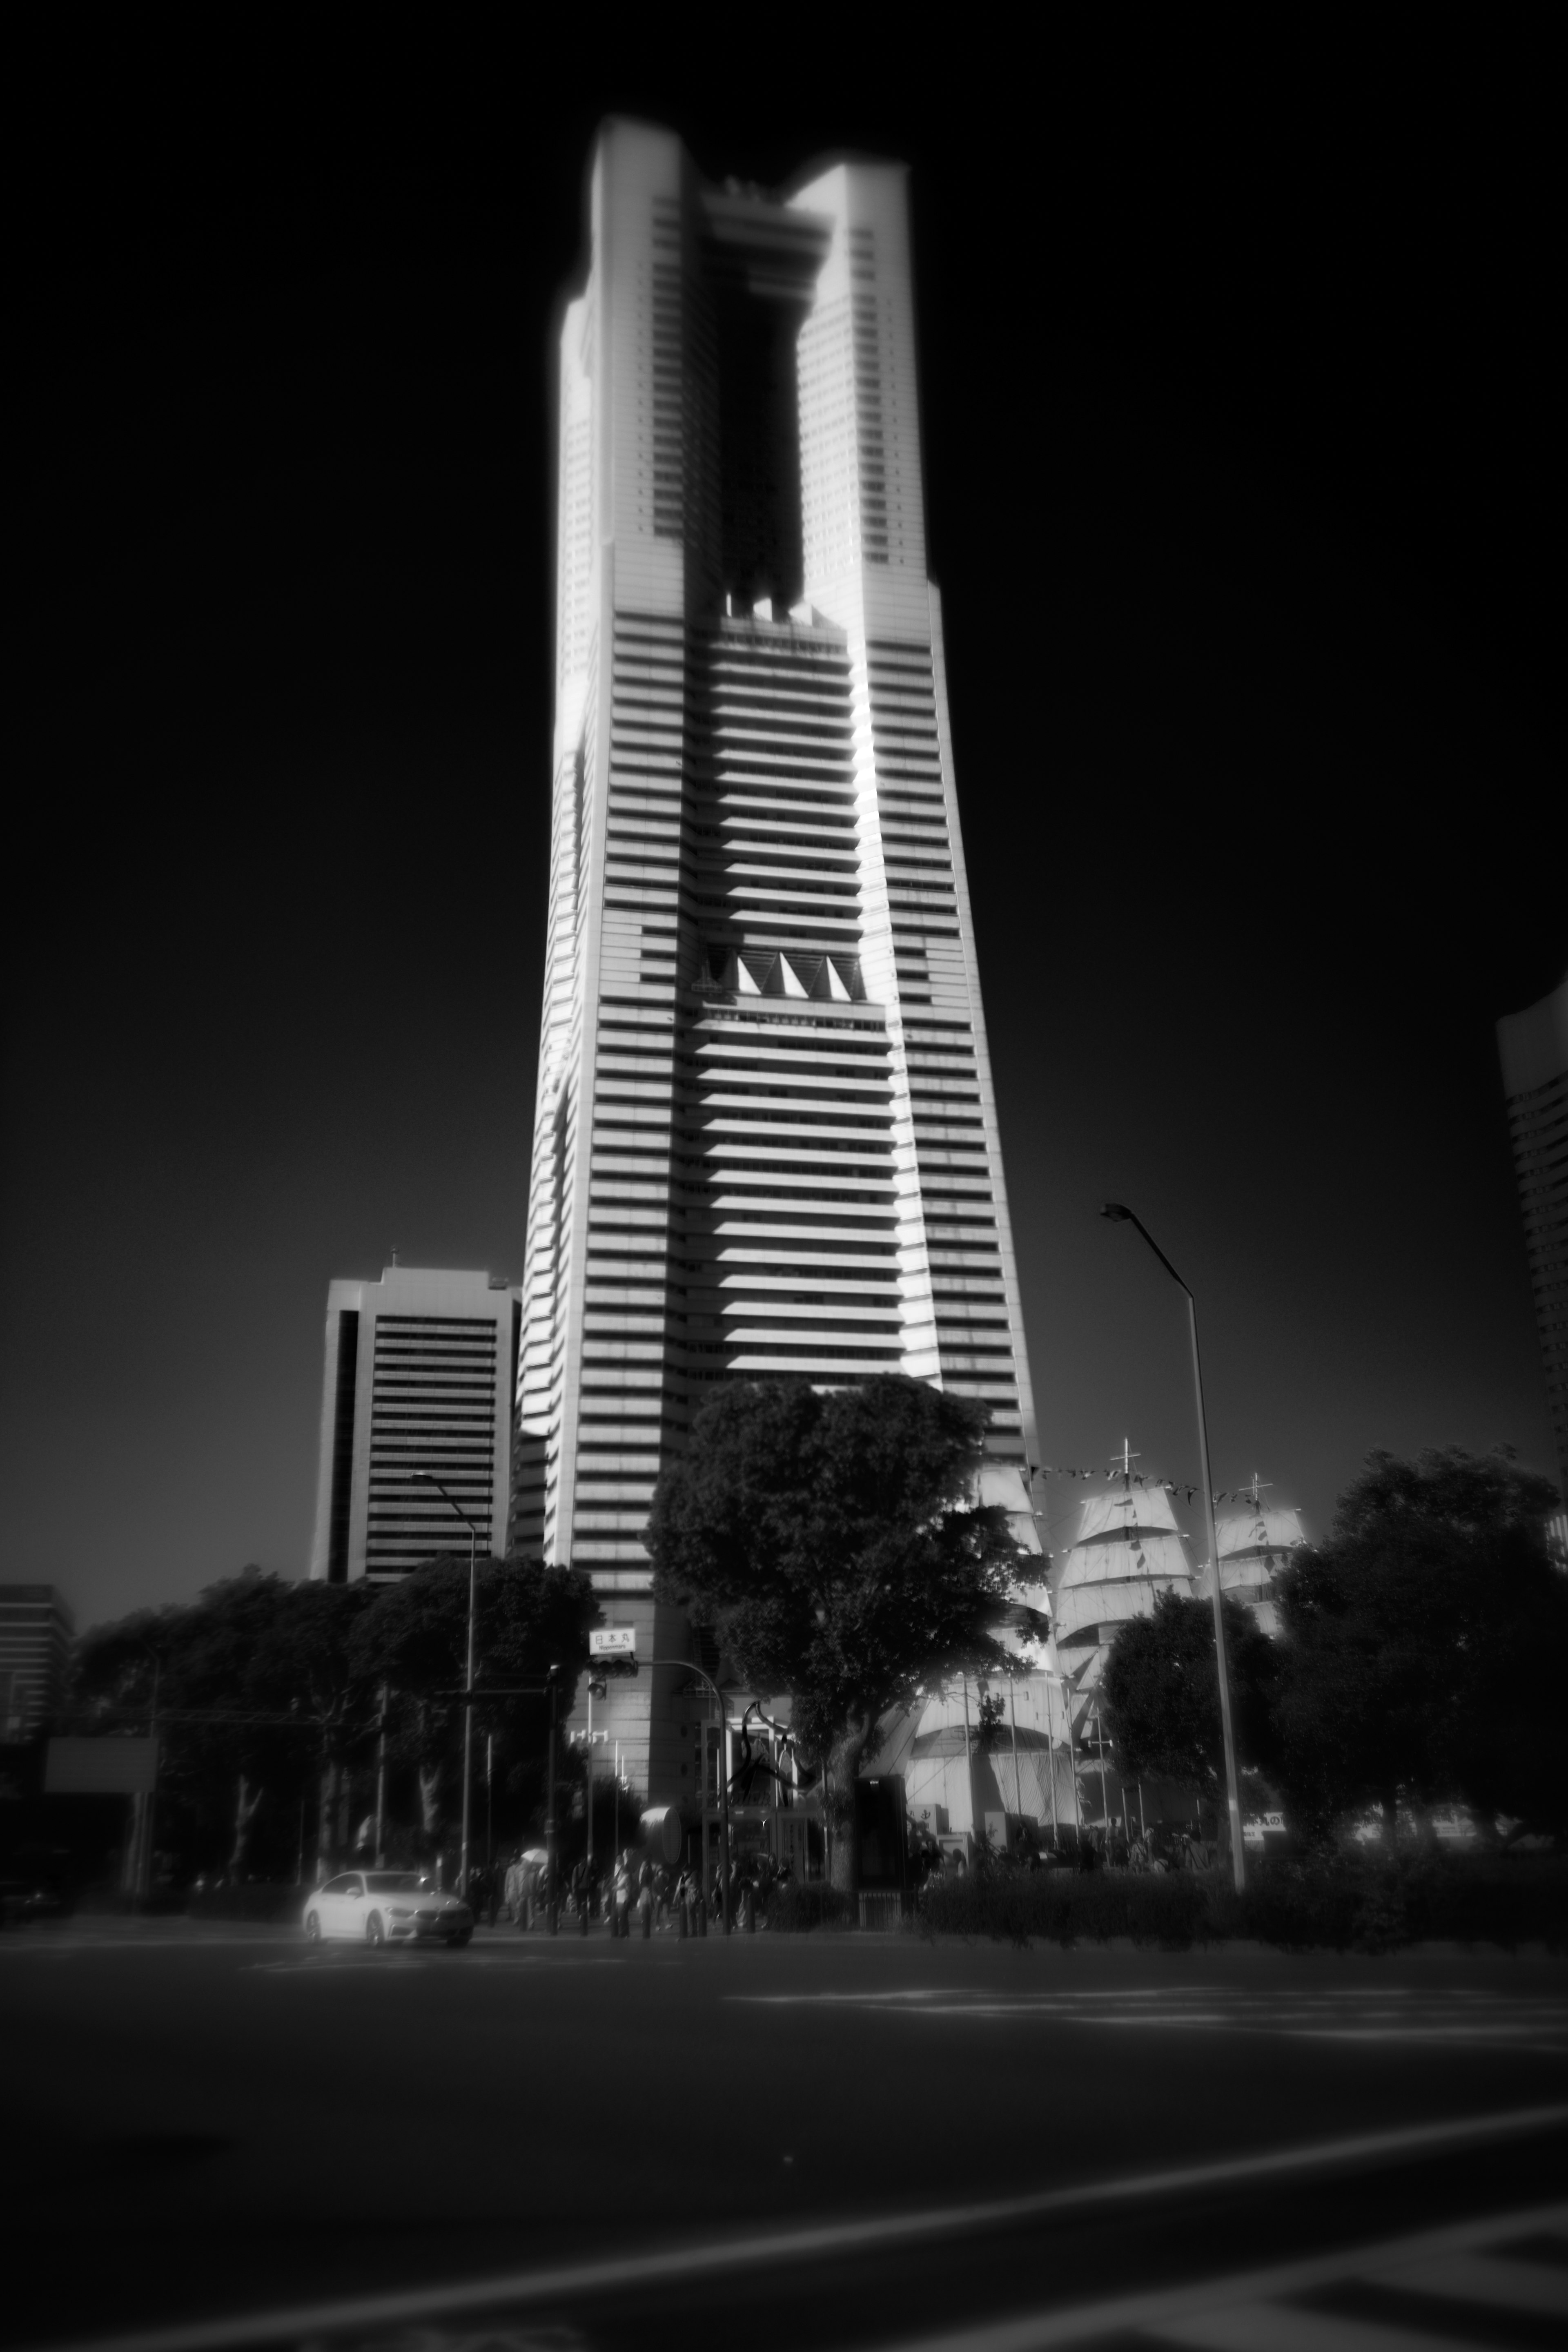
(1128, 1550)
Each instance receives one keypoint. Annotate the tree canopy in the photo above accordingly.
(268, 1695)
(1426, 1646)
(526, 1618)
(1161, 1695)
(832, 1542)
(414, 1638)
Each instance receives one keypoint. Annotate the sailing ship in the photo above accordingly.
(1254, 1544)
(1128, 1550)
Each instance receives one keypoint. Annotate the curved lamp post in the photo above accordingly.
(424, 1478)
(1123, 1216)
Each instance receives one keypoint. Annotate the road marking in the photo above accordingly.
(1340, 2013)
(1255, 2311)
(354, 1958)
(725, 2255)
(78, 1946)
(1488, 2279)
(1275, 2327)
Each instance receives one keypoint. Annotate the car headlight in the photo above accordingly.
(393, 1912)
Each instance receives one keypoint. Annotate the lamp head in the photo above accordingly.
(1115, 1211)
(422, 1477)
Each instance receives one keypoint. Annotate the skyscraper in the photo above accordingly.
(36, 1630)
(766, 1137)
(419, 1374)
(1533, 1047)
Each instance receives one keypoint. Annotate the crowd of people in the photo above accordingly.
(526, 1892)
(634, 1894)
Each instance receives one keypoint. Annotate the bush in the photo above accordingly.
(1060, 1906)
(1345, 1904)
(793, 1908)
(251, 1901)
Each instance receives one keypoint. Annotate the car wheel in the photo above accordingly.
(455, 1943)
(374, 1932)
(312, 1927)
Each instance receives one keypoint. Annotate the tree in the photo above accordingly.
(1426, 1647)
(1161, 1696)
(256, 1692)
(832, 1540)
(307, 1667)
(414, 1639)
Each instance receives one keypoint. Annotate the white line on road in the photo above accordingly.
(1251, 2311)
(1534, 2026)
(404, 1963)
(77, 1947)
(583, 2280)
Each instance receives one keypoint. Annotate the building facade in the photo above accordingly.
(420, 1373)
(1533, 1048)
(35, 1631)
(766, 1137)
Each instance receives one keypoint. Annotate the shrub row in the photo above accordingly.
(792, 1908)
(254, 1900)
(1343, 1905)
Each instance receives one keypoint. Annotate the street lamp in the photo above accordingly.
(424, 1478)
(1123, 1216)
(687, 1667)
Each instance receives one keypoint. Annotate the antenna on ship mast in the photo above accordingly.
(1125, 1469)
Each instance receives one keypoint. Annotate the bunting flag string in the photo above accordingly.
(1130, 1478)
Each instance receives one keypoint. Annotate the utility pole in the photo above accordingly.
(1013, 1712)
(549, 1801)
(1119, 1215)
(382, 1780)
(425, 1478)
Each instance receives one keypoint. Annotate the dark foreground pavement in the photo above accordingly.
(821, 2140)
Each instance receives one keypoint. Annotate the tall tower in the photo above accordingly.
(766, 1137)
(1533, 1048)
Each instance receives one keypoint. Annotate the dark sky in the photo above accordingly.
(1241, 407)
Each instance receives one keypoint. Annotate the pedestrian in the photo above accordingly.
(621, 1925)
(645, 1898)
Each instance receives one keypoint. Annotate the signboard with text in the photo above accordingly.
(608, 1642)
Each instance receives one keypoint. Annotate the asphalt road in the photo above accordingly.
(824, 2140)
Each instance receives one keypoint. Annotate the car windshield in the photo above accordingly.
(398, 1882)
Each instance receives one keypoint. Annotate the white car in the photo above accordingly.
(386, 1907)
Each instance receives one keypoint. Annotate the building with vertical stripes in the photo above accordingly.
(766, 1140)
(35, 1631)
(420, 1371)
(1533, 1048)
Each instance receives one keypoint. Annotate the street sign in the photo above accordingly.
(613, 1642)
